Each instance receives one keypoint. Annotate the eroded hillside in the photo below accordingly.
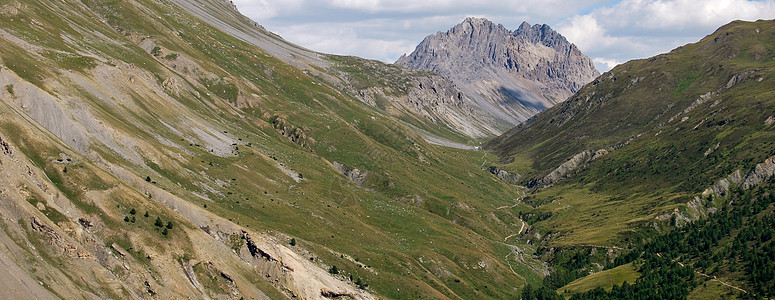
(262, 176)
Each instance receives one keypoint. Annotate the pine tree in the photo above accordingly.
(359, 283)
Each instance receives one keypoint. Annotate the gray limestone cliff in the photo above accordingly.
(512, 75)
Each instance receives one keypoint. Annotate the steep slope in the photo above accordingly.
(262, 177)
(669, 98)
(432, 105)
(512, 75)
(652, 144)
(428, 102)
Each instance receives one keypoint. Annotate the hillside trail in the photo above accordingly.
(712, 278)
(522, 227)
(512, 269)
(518, 256)
(518, 233)
(603, 247)
(516, 251)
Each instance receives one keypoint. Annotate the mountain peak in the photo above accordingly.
(476, 24)
(476, 20)
(543, 34)
(511, 74)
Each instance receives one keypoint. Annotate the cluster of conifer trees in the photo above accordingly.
(735, 244)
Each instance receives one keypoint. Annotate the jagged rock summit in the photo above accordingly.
(510, 74)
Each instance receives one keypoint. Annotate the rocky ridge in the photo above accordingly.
(512, 75)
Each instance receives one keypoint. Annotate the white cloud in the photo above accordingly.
(385, 29)
(679, 16)
(609, 31)
(586, 33)
(682, 14)
(539, 8)
(641, 28)
(266, 9)
(375, 6)
(368, 5)
(548, 10)
(342, 38)
(604, 63)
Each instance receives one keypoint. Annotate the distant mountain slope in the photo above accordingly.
(431, 104)
(715, 91)
(511, 75)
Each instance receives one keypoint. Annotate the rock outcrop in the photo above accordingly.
(354, 174)
(504, 175)
(758, 174)
(575, 163)
(510, 74)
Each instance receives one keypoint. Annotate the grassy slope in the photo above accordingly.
(713, 289)
(431, 249)
(667, 165)
(726, 255)
(395, 81)
(605, 279)
(614, 199)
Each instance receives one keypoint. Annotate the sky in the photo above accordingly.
(609, 32)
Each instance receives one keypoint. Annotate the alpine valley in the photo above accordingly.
(175, 149)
